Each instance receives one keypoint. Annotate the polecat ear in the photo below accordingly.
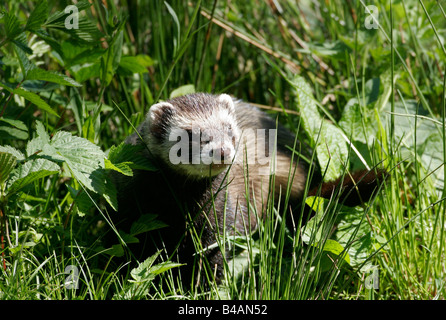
(158, 118)
(160, 112)
(226, 100)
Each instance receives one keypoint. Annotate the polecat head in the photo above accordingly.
(195, 135)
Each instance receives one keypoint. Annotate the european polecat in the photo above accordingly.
(219, 161)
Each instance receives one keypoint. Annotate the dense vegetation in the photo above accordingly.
(362, 83)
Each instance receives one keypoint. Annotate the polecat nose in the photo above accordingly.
(221, 153)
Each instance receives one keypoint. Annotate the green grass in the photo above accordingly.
(382, 89)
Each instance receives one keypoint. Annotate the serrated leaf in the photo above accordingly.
(145, 223)
(16, 153)
(21, 49)
(146, 271)
(38, 16)
(11, 25)
(29, 172)
(15, 123)
(131, 155)
(81, 199)
(85, 31)
(33, 98)
(85, 161)
(51, 76)
(60, 16)
(7, 164)
(81, 156)
(7, 132)
(123, 167)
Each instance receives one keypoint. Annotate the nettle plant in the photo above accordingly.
(37, 157)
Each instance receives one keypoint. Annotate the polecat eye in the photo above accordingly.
(205, 138)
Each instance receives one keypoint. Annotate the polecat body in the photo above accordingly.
(216, 158)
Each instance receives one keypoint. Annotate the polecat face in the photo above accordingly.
(195, 135)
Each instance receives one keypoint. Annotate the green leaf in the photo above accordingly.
(333, 251)
(110, 61)
(86, 31)
(81, 156)
(146, 271)
(81, 199)
(38, 16)
(33, 98)
(130, 155)
(12, 133)
(29, 172)
(147, 222)
(85, 160)
(38, 143)
(21, 50)
(51, 76)
(138, 64)
(331, 148)
(354, 233)
(11, 25)
(183, 90)
(16, 153)
(7, 164)
(123, 167)
(15, 123)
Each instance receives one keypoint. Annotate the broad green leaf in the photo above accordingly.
(51, 76)
(85, 160)
(312, 231)
(86, 71)
(81, 156)
(15, 123)
(7, 132)
(7, 164)
(86, 31)
(336, 49)
(21, 49)
(81, 199)
(74, 54)
(16, 153)
(38, 143)
(38, 16)
(145, 223)
(60, 16)
(33, 98)
(183, 90)
(123, 167)
(131, 155)
(146, 271)
(138, 64)
(355, 124)
(331, 148)
(11, 25)
(354, 233)
(29, 172)
(333, 250)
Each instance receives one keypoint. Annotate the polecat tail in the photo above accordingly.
(354, 189)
